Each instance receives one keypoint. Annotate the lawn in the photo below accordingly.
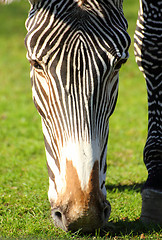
(24, 207)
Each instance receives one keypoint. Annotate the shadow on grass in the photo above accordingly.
(129, 228)
(123, 229)
(137, 187)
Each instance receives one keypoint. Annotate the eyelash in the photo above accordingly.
(36, 65)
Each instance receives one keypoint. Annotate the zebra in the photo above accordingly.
(148, 54)
(76, 49)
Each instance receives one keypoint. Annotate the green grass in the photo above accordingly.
(24, 207)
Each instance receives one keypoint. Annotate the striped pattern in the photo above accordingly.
(148, 52)
(75, 55)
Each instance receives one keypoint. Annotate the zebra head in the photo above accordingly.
(76, 49)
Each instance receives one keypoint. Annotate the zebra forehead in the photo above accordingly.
(117, 3)
(40, 45)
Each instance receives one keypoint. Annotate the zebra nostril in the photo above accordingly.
(59, 219)
(58, 215)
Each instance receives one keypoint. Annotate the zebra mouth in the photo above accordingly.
(85, 221)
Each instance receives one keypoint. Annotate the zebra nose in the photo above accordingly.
(95, 218)
(59, 219)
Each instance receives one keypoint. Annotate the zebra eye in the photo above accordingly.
(36, 65)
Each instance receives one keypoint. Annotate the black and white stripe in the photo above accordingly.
(76, 53)
(148, 52)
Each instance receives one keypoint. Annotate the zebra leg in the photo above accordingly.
(148, 53)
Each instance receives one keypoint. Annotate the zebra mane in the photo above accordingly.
(117, 3)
